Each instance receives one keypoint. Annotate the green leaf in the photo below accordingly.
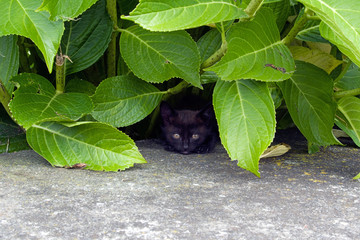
(311, 32)
(209, 43)
(65, 9)
(313, 148)
(9, 60)
(170, 15)
(276, 94)
(126, 6)
(122, 68)
(156, 57)
(36, 101)
(281, 10)
(224, 26)
(209, 77)
(12, 137)
(283, 119)
(13, 144)
(7, 127)
(246, 117)
(323, 60)
(32, 83)
(339, 24)
(21, 18)
(80, 86)
(348, 117)
(124, 100)
(308, 96)
(357, 177)
(255, 51)
(351, 79)
(86, 39)
(351, 50)
(272, 1)
(99, 146)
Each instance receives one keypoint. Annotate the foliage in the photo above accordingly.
(261, 60)
(244, 110)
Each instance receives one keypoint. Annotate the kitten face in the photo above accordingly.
(187, 131)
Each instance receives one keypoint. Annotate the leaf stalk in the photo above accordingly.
(299, 24)
(313, 18)
(215, 57)
(175, 90)
(223, 36)
(111, 52)
(252, 8)
(60, 73)
(344, 70)
(347, 93)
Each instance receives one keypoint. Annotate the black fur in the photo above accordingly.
(188, 131)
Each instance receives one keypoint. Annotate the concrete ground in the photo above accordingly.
(207, 196)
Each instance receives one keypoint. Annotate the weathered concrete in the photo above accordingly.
(174, 196)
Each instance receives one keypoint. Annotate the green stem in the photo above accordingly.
(352, 92)
(175, 90)
(67, 46)
(223, 36)
(60, 74)
(253, 6)
(5, 98)
(111, 51)
(313, 18)
(111, 9)
(251, 9)
(215, 57)
(218, 54)
(117, 29)
(345, 69)
(299, 24)
(111, 56)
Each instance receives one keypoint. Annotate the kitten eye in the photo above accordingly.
(176, 136)
(195, 136)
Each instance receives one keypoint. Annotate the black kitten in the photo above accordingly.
(188, 131)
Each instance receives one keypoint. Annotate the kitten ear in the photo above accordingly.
(207, 114)
(166, 112)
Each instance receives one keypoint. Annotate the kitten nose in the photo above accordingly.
(186, 145)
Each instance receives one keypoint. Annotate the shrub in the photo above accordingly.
(73, 72)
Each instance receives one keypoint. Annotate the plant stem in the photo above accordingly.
(251, 9)
(60, 74)
(352, 92)
(345, 69)
(111, 56)
(218, 54)
(111, 51)
(223, 35)
(175, 90)
(313, 18)
(299, 24)
(5, 98)
(253, 6)
(215, 57)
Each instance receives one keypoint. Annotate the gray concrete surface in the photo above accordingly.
(174, 196)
